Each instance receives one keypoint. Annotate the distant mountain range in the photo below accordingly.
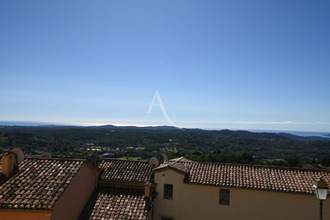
(225, 145)
(35, 126)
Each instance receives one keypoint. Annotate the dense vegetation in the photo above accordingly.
(223, 146)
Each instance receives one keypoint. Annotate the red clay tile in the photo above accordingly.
(38, 183)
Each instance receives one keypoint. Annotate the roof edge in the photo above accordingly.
(118, 159)
(261, 166)
(247, 188)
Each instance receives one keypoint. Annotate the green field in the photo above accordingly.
(168, 149)
(3, 139)
(130, 158)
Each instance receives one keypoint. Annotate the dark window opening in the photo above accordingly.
(168, 191)
(224, 196)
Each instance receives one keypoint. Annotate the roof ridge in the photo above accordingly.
(118, 159)
(58, 159)
(257, 165)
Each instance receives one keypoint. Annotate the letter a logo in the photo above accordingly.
(161, 105)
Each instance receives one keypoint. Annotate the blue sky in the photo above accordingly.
(257, 64)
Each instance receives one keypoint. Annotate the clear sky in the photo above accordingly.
(248, 64)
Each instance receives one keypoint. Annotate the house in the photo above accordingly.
(195, 190)
(178, 189)
(44, 188)
(181, 189)
(125, 191)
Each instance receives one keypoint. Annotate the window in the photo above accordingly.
(224, 197)
(168, 191)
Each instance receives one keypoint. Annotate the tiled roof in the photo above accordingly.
(38, 184)
(292, 180)
(116, 170)
(117, 203)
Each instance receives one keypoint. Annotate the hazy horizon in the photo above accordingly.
(299, 133)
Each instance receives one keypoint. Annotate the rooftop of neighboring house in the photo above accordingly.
(126, 171)
(38, 183)
(122, 191)
(282, 179)
(117, 203)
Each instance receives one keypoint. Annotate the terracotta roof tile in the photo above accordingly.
(292, 180)
(38, 184)
(117, 203)
(116, 170)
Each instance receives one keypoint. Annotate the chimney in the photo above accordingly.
(9, 163)
(147, 191)
(147, 198)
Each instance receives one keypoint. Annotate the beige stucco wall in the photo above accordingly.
(202, 202)
(76, 195)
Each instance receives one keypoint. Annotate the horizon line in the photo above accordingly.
(97, 124)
